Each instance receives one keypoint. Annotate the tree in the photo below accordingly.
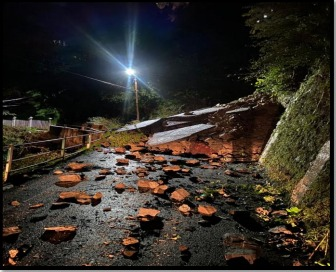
(292, 37)
(43, 105)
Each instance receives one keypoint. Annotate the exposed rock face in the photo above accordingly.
(237, 131)
(311, 175)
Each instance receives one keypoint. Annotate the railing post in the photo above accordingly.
(8, 162)
(13, 121)
(49, 123)
(88, 145)
(30, 122)
(63, 147)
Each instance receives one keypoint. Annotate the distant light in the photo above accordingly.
(265, 16)
(258, 21)
(130, 71)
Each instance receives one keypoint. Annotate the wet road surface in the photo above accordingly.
(173, 239)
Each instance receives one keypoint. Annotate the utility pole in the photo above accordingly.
(136, 99)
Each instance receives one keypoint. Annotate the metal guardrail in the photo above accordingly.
(64, 151)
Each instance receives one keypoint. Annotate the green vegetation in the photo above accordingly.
(292, 39)
(119, 139)
(293, 65)
(109, 124)
(167, 108)
(42, 104)
(18, 135)
(303, 130)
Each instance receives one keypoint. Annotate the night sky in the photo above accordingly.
(196, 47)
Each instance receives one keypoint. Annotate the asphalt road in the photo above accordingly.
(100, 231)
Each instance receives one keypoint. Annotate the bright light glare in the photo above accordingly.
(130, 71)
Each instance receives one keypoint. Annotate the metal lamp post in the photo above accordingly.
(131, 72)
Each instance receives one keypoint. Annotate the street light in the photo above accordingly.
(131, 72)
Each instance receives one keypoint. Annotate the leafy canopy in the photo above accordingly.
(292, 38)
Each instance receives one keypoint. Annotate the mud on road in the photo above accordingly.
(233, 236)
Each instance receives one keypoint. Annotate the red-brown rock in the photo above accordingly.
(120, 150)
(146, 185)
(179, 195)
(206, 210)
(171, 168)
(160, 190)
(79, 166)
(146, 214)
(122, 161)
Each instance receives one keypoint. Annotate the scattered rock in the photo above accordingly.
(146, 214)
(13, 253)
(58, 172)
(107, 209)
(280, 229)
(160, 159)
(185, 209)
(185, 170)
(79, 197)
(279, 213)
(105, 172)
(105, 144)
(223, 193)
(192, 162)
(206, 210)
(79, 166)
(96, 199)
(120, 150)
(129, 253)
(179, 195)
(121, 171)
(160, 190)
(183, 248)
(208, 167)
(147, 160)
(239, 246)
(15, 203)
(120, 187)
(141, 171)
(147, 185)
(122, 161)
(172, 168)
(56, 235)
(130, 241)
(6, 232)
(133, 156)
(70, 178)
(137, 148)
(262, 211)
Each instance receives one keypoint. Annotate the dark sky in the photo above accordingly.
(195, 45)
(69, 50)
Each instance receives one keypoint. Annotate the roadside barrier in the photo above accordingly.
(29, 155)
